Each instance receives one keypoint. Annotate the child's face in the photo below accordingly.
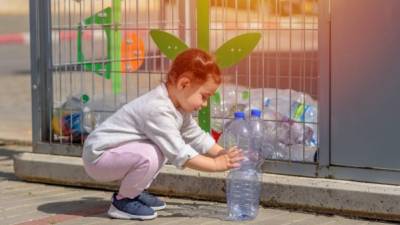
(194, 96)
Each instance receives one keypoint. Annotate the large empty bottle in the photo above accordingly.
(243, 183)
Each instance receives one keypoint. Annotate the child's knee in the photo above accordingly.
(153, 164)
(155, 156)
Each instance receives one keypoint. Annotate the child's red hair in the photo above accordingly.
(195, 64)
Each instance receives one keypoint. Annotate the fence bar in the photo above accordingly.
(41, 61)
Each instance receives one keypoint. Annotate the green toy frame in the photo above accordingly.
(110, 20)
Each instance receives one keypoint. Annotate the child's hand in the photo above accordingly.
(228, 159)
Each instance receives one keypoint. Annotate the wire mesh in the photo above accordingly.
(280, 76)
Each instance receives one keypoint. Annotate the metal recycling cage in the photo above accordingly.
(100, 52)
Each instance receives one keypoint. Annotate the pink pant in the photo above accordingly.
(134, 164)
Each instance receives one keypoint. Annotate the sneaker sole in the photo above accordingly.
(159, 207)
(118, 214)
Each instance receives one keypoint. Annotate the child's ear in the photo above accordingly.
(183, 82)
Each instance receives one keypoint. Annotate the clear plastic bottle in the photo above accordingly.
(303, 112)
(89, 120)
(299, 152)
(297, 110)
(306, 112)
(257, 132)
(243, 183)
(269, 111)
(94, 112)
(229, 135)
(243, 193)
(280, 152)
(74, 117)
(311, 114)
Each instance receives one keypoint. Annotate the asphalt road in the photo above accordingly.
(14, 58)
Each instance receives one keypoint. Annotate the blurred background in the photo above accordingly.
(15, 92)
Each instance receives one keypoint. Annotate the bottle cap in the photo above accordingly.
(85, 98)
(239, 115)
(256, 113)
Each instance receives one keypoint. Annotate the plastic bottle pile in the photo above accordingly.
(290, 119)
(77, 117)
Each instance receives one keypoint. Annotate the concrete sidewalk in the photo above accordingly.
(32, 203)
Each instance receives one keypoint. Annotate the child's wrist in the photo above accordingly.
(215, 165)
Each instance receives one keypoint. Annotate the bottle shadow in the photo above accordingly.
(207, 210)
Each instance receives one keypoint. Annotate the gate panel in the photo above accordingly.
(365, 84)
(100, 56)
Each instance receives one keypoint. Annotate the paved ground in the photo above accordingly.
(31, 203)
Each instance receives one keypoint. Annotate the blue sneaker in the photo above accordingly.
(130, 208)
(151, 201)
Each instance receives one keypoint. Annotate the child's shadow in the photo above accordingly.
(97, 207)
(177, 209)
(88, 207)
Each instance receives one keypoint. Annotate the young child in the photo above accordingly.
(134, 143)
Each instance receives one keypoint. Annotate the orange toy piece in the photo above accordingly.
(132, 52)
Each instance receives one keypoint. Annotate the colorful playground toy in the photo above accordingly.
(132, 52)
(125, 53)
